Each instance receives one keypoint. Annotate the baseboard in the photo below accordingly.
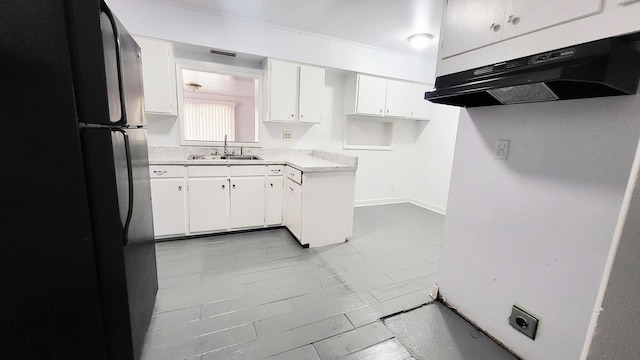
(399, 200)
(429, 206)
(384, 201)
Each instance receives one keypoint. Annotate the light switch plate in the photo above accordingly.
(523, 322)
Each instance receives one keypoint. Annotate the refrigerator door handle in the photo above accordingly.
(114, 25)
(127, 150)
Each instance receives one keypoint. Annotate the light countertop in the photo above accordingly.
(304, 160)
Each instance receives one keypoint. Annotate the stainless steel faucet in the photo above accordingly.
(225, 145)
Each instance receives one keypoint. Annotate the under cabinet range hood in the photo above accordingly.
(606, 67)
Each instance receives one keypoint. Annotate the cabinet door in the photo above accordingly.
(247, 202)
(397, 103)
(311, 100)
(158, 75)
(470, 24)
(293, 208)
(371, 95)
(524, 16)
(168, 205)
(273, 196)
(283, 90)
(208, 204)
(418, 106)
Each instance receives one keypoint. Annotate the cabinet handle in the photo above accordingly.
(301, 116)
(514, 20)
(179, 187)
(495, 27)
(290, 188)
(233, 186)
(275, 171)
(159, 172)
(223, 187)
(271, 184)
(292, 115)
(380, 111)
(387, 111)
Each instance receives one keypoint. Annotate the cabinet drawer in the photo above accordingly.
(275, 170)
(247, 170)
(294, 174)
(166, 171)
(210, 170)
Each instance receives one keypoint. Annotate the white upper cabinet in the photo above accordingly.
(370, 96)
(471, 24)
(311, 98)
(293, 92)
(282, 90)
(374, 96)
(418, 106)
(397, 102)
(525, 16)
(158, 71)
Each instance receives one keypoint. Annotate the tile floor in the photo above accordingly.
(259, 295)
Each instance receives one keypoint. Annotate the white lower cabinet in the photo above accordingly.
(168, 193)
(318, 206)
(247, 202)
(293, 208)
(273, 200)
(208, 204)
(168, 207)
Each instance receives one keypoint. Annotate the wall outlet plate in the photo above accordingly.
(502, 149)
(523, 322)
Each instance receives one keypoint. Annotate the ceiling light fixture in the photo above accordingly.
(421, 40)
(193, 86)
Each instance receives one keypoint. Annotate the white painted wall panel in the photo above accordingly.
(535, 229)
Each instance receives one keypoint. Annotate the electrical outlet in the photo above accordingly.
(502, 149)
(523, 322)
(286, 135)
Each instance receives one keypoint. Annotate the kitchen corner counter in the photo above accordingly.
(304, 160)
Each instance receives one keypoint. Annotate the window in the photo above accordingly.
(213, 103)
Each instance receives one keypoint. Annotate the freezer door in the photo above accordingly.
(107, 66)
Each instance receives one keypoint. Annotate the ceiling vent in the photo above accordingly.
(223, 53)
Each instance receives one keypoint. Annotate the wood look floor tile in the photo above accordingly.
(259, 295)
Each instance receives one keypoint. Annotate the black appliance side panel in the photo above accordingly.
(50, 303)
(128, 272)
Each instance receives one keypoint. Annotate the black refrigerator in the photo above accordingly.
(77, 257)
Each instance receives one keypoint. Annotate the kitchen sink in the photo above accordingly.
(221, 157)
(241, 157)
(204, 157)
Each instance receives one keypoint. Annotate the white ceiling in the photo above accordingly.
(379, 23)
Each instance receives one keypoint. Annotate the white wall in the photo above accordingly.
(611, 334)
(163, 21)
(535, 230)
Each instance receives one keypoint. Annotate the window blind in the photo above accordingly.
(209, 121)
